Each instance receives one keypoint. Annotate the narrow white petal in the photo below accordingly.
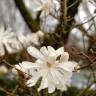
(68, 66)
(60, 51)
(66, 74)
(44, 51)
(64, 57)
(51, 85)
(51, 51)
(66, 79)
(2, 51)
(41, 63)
(51, 88)
(53, 77)
(31, 82)
(28, 66)
(20, 67)
(44, 82)
(35, 78)
(60, 77)
(8, 47)
(63, 80)
(35, 53)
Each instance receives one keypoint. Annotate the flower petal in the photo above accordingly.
(35, 77)
(66, 79)
(44, 82)
(35, 53)
(31, 82)
(62, 81)
(68, 66)
(51, 88)
(53, 77)
(2, 51)
(41, 63)
(29, 65)
(44, 51)
(51, 51)
(64, 57)
(59, 51)
(51, 85)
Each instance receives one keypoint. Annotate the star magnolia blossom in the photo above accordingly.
(9, 41)
(45, 6)
(55, 72)
(29, 39)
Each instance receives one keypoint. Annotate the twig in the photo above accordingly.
(8, 93)
(65, 10)
(89, 64)
(73, 4)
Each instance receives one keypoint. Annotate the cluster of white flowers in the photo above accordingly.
(51, 65)
(11, 42)
(29, 39)
(50, 10)
(46, 7)
(8, 41)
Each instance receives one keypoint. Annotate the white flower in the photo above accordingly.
(8, 41)
(51, 65)
(49, 13)
(45, 6)
(29, 39)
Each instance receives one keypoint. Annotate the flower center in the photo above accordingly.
(49, 65)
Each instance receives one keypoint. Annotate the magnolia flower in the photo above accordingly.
(49, 13)
(29, 39)
(45, 6)
(51, 65)
(8, 41)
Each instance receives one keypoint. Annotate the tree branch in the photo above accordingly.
(32, 24)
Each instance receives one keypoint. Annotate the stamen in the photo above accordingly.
(49, 64)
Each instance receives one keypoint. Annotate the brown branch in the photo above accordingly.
(32, 24)
(90, 19)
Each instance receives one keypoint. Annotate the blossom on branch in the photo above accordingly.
(8, 41)
(46, 7)
(51, 65)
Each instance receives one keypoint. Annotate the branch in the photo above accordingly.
(32, 24)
